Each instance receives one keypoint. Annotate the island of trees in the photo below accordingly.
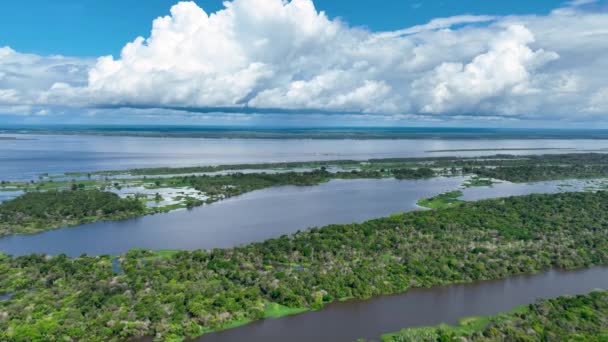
(185, 294)
(38, 211)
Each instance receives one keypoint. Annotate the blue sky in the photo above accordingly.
(518, 63)
(101, 27)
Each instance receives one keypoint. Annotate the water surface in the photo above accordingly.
(255, 216)
(8, 195)
(264, 214)
(31, 155)
(371, 318)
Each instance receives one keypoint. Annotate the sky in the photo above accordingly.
(302, 62)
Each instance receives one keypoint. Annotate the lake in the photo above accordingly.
(30, 155)
(348, 321)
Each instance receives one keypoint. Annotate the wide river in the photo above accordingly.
(258, 216)
(255, 216)
(371, 318)
(31, 155)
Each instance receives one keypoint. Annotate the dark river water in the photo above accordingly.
(371, 318)
(31, 155)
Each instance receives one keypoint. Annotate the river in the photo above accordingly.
(260, 215)
(348, 321)
(255, 216)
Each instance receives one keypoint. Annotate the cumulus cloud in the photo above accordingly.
(505, 70)
(258, 55)
(26, 78)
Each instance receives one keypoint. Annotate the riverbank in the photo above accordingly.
(580, 318)
(369, 319)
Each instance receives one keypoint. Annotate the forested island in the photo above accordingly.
(578, 318)
(571, 165)
(39, 211)
(185, 294)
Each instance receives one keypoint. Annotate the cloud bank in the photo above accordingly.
(273, 55)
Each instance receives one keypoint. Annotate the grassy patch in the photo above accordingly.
(445, 200)
(160, 254)
(274, 310)
(166, 253)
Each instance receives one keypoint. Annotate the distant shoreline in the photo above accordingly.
(502, 149)
(12, 138)
(355, 133)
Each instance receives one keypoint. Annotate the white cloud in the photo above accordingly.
(25, 78)
(505, 70)
(287, 55)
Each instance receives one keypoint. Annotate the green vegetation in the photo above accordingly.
(274, 310)
(219, 168)
(239, 183)
(38, 211)
(418, 173)
(477, 181)
(500, 149)
(533, 173)
(580, 318)
(445, 200)
(444, 332)
(185, 294)
(539, 168)
(508, 167)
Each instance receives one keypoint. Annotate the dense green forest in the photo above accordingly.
(579, 318)
(39, 211)
(179, 294)
(533, 173)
